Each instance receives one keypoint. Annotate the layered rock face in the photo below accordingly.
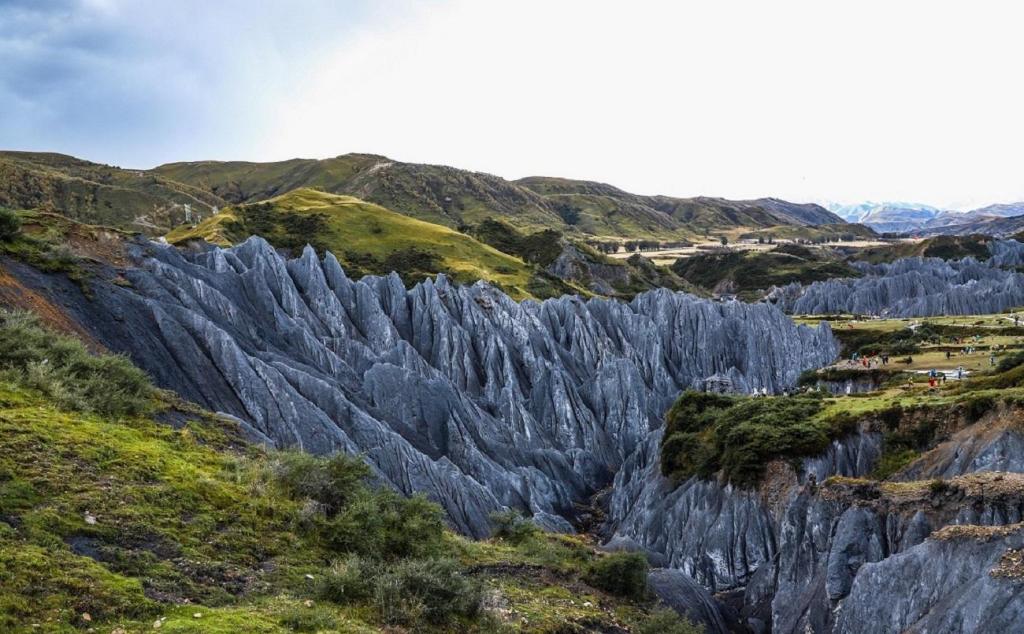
(917, 287)
(801, 551)
(458, 392)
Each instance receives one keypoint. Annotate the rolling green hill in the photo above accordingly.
(455, 197)
(155, 200)
(746, 272)
(367, 238)
(98, 194)
(946, 247)
(438, 194)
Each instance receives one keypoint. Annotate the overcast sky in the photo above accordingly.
(817, 100)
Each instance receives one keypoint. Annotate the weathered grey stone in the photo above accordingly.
(942, 586)
(689, 598)
(456, 391)
(917, 287)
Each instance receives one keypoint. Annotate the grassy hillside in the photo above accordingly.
(601, 209)
(155, 200)
(367, 238)
(435, 193)
(746, 272)
(454, 197)
(945, 247)
(98, 194)
(123, 509)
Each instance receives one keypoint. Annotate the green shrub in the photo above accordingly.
(512, 526)
(621, 574)
(64, 370)
(330, 482)
(351, 517)
(667, 621)
(541, 248)
(431, 591)
(386, 525)
(10, 224)
(346, 580)
(310, 619)
(938, 486)
(1010, 362)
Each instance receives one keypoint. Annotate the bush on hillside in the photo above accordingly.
(330, 482)
(1010, 362)
(409, 592)
(541, 248)
(10, 224)
(351, 517)
(346, 580)
(512, 526)
(621, 574)
(386, 525)
(433, 591)
(667, 621)
(64, 370)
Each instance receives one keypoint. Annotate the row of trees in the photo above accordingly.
(633, 246)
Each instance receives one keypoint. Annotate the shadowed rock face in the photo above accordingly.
(917, 287)
(458, 392)
(956, 584)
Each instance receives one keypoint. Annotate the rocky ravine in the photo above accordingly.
(481, 402)
(805, 553)
(458, 392)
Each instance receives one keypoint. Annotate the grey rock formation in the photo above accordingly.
(684, 595)
(483, 403)
(997, 446)
(916, 287)
(573, 265)
(455, 391)
(719, 535)
(953, 585)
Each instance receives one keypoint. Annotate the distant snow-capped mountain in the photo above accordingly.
(887, 216)
(916, 218)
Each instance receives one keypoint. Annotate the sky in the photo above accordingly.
(814, 100)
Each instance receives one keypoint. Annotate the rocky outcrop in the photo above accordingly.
(995, 444)
(794, 548)
(827, 535)
(686, 596)
(965, 580)
(456, 391)
(718, 534)
(575, 266)
(916, 287)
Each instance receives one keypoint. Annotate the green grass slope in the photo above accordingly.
(435, 193)
(746, 272)
(945, 247)
(98, 194)
(455, 197)
(366, 238)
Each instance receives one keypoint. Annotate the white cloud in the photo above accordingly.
(806, 100)
(798, 99)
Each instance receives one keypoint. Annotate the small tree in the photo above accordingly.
(723, 240)
(621, 574)
(10, 224)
